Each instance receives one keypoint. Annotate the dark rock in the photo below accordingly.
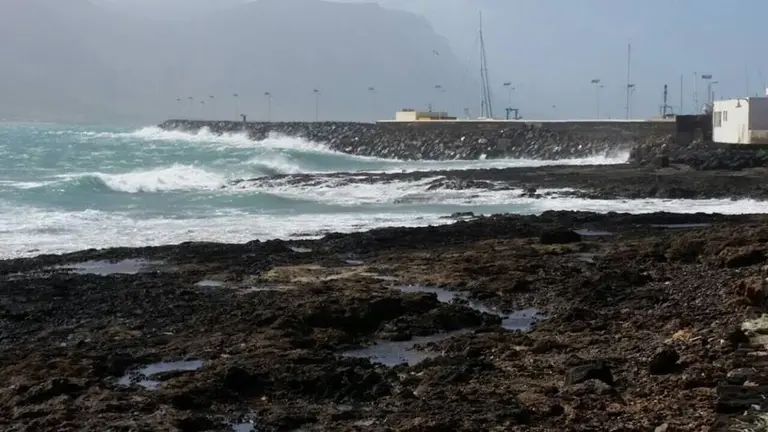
(51, 389)
(597, 370)
(737, 336)
(663, 362)
(242, 382)
(739, 376)
(559, 236)
(732, 399)
(196, 423)
(741, 257)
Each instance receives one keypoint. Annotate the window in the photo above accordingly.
(725, 116)
(717, 119)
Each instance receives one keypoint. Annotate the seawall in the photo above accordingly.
(459, 139)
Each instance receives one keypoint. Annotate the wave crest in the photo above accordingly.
(173, 178)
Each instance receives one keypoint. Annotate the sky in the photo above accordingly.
(552, 49)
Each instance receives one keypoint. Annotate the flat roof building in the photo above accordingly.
(411, 115)
(740, 121)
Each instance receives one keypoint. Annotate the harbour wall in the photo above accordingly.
(446, 140)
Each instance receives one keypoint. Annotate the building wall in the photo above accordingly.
(758, 120)
(731, 124)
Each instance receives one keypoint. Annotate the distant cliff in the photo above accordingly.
(72, 60)
(461, 140)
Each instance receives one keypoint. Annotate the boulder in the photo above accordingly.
(597, 370)
(663, 362)
(559, 236)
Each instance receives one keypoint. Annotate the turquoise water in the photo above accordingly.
(65, 188)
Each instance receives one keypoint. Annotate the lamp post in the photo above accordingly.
(708, 79)
(439, 88)
(213, 107)
(596, 82)
(180, 108)
(317, 104)
(237, 105)
(510, 88)
(269, 106)
(372, 92)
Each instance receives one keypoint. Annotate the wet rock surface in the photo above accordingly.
(624, 181)
(648, 332)
(450, 141)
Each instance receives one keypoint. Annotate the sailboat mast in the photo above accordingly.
(487, 105)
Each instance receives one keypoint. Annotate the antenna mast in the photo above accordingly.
(486, 107)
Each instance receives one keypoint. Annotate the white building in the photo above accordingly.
(740, 121)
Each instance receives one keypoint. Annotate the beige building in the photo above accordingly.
(411, 115)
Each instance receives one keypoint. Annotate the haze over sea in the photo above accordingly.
(66, 188)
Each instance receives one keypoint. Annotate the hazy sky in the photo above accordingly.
(551, 49)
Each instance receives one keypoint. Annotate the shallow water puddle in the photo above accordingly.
(243, 427)
(585, 256)
(518, 320)
(142, 377)
(391, 353)
(208, 283)
(298, 249)
(109, 268)
(683, 225)
(592, 233)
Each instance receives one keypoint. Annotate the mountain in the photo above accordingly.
(76, 61)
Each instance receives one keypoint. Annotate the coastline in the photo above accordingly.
(640, 325)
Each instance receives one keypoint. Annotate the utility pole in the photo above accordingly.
(317, 104)
(629, 76)
(372, 91)
(682, 110)
(269, 106)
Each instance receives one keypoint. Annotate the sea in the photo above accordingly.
(65, 188)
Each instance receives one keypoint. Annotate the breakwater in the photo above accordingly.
(458, 139)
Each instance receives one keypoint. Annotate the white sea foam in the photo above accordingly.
(27, 231)
(173, 178)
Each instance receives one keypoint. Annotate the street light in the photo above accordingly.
(237, 105)
(317, 104)
(708, 79)
(510, 89)
(372, 91)
(596, 82)
(269, 106)
(439, 89)
(213, 107)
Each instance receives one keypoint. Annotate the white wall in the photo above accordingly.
(731, 123)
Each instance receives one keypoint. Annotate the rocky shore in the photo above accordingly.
(626, 181)
(449, 141)
(565, 321)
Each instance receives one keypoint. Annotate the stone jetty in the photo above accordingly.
(460, 139)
